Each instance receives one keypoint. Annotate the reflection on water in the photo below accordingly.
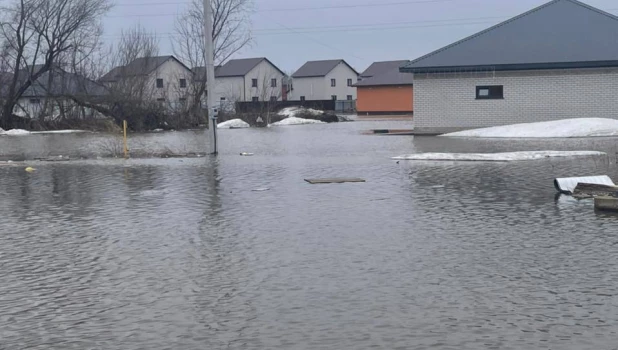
(182, 254)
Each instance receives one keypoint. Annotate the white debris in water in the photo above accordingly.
(16, 132)
(233, 124)
(60, 132)
(567, 128)
(294, 111)
(297, 121)
(497, 157)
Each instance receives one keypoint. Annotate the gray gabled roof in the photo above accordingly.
(392, 77)
(138, 67)
(377, 68)
(241, 67)
(319, 68)
(559, 34)
(62, 83)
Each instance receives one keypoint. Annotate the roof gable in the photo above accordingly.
(241, 67)
(139, 67)
(559, 34)
(382, 67)
(313, 69)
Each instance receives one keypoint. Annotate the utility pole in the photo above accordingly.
(209, 55)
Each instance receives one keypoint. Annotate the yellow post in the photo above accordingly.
(126, 148)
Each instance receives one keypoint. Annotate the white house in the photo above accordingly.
(325, 80)
(163, 79)
(557, 61)
(246, 80)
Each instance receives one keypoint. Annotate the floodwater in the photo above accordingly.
(184, 254)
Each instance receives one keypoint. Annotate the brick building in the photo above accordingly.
(557, 61)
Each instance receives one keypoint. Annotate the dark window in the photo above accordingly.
(333, 82)
(254, 83)
(302, 98)
(255, 99)
(35, 101)
(222, 98)
(350, 97)
(159, 83)
(160, 100)
(334, 97)
(493, 92)
(273, 98)
(183, 83)
(349, 82)
(273, 83)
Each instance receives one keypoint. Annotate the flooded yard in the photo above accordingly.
(184, 254)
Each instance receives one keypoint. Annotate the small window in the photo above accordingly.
(273, 98)
(255, 99)
(160, 100)
(222, 98)
(349, 82)
(494, 92)
(273, 83)
(183, 83)
(159, 83)
(302, 98)
(334, 97)
(333, 82)
(35, 101)
(254, 83)
(350, 97)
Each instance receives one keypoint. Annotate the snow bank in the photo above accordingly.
(497, 157)
(294, 111)
(296, 121)
(580, 127)
(233, 124)
(60, 132)
(16, 132)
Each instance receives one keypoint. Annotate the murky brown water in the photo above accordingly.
(182, 254)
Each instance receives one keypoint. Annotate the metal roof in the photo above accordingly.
(63, 83)
(382, 67)
(392, 77)
(234, 68)
(559, 34)
(319, 68)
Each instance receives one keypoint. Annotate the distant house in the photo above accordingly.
(246, 80)
(383, 89)
(163, 79)
(55, 92)
(557, 61)
(325, 80)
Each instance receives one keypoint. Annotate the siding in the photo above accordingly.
(385, 99)
(319, 88)
(447, 102)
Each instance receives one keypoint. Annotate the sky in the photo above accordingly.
(291, 32)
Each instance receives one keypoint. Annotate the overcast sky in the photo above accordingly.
(290, 32)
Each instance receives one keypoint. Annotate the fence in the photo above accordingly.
(345, 106)
(256, 107)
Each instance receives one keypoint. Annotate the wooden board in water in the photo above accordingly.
(333, 181)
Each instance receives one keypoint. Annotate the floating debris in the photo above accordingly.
(333, 181)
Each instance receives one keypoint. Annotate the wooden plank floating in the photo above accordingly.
(585, 190)
(333, 181)
(606, 203)
(393, 132)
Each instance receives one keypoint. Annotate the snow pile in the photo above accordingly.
(580, 127)
(497, 157)
(59, 132)
(16, 132)
(296, 121)
(294, 111)
(233, 124)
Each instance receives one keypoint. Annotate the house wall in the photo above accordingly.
(230, 88)
(319, 88)
(171, 72)
(385, 99)
(447, 102)
(341, 74)
(263, 72)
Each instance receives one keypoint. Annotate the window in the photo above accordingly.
(255, 99)
(333, 82)
(350, 97)
(349, 82)
(160, 100)
(273, 83)
(159, 83)
(254, 83)
(334, 97)
(302, 98)
(35, 101)
(222, 98)
(493, 92)
(183, 83)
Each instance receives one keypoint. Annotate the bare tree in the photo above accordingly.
(38, 33)
(231, 33)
